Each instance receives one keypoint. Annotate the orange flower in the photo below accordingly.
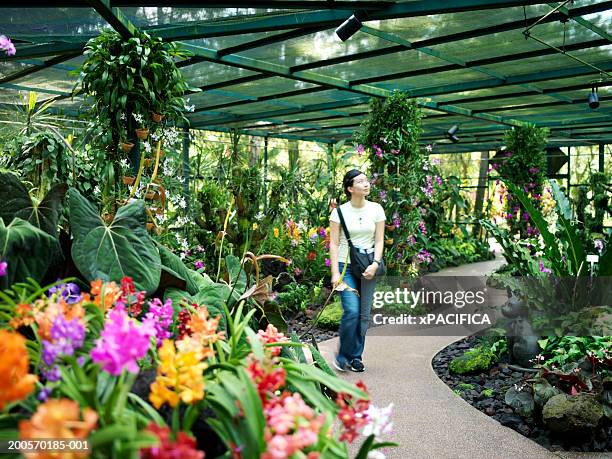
(106, 293)
(15, 382)
(58, 418)
(24, 314)
(46, 315)
(203, 328)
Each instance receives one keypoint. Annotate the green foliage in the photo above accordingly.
(137, 75)
(294, 297)
(488, 393)
(331, 315)
(474, 360)
(27, 249)
(114, 250)
(559, 350)
(523, 165)
(465, 386)
(15, 201)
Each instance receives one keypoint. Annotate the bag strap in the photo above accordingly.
(343, 223)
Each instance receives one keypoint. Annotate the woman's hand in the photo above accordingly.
(334, 280)
(370, 271)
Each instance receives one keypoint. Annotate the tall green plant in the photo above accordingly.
(523, 164)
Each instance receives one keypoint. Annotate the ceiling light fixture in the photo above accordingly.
(593, 98)
(350, 27)
(452, 134)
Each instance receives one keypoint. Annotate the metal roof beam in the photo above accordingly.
(332, 82)
(583, 22)
(114, 17)
(36, 67)
(480, 32)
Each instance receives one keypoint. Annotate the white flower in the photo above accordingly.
(301, 226)
(182, 221)
(182, 255)
(123, 117)
(147, 146)
(259, 216)
(124, 164)
(96, 189)
(137, 117)
(379, 422)
(182, 203)
(429, 148)
(161, 218)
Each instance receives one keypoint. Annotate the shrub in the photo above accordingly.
(331, 315)
(474, 360)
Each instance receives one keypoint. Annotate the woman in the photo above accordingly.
(365, 221)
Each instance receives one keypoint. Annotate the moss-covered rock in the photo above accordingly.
(474, 360)
(575, 413)
(331, 315)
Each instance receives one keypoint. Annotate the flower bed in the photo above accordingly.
(486, 392)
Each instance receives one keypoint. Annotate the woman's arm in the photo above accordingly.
(334, 243)
(379, 244)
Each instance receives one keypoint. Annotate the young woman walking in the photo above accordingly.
(365, 222)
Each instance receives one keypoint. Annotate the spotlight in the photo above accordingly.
(349, 27)
(593, 98)
(451, 134)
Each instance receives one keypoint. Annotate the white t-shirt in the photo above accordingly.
(361, 224)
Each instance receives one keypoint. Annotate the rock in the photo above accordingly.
(510, 420)
(490, 411)
(565, 413)
(524, 429)
(476, 359)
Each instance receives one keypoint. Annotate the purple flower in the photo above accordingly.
(382, 195)
(360, 149)
(429, 148)
(199, 264)
(161, 316)
(70, 292)
(434, 161)
(3, 268)
(543, 269)
(44, 393)
(378, 150)
(7, 45)
(200, 249)
(439, 180)
(526, 216)
(395, 152)
(534, 170)
(66, 337)
(422, 227)
(397, 222)
(599, 245)
(297, 271)
(81, 361)
(122, 342)
(424, 256)
(52, 374)
(327, 262)
(322, 232)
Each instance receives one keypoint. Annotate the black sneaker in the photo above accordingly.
(339, 367)
(357, 366)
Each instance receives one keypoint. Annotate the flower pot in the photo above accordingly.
(150, 195)
(142, 134)
(157, 117)
(389, 242)
(127, 180)
(390, 227)
(149, 162)
(126, 146)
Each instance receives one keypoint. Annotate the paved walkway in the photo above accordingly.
(430, 421)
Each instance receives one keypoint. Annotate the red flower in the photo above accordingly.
(352, 413)
(268, 379)
(311, 256)
(184, 447)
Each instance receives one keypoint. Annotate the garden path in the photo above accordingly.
(429, 420)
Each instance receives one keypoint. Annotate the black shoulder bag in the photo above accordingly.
(360, 260)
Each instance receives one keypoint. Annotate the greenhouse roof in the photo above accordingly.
(277, 68)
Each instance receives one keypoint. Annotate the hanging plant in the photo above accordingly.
(130, 77)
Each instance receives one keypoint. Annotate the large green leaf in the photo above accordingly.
(16, 202)
(27, 250)
(195, 281)
(112, 251)
(569, 235)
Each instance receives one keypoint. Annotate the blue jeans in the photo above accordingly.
(356, 315)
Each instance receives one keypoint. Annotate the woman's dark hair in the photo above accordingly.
(348, 180)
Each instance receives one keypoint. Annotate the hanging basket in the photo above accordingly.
(142, 134)
(127, 180)
(157, 117)
(127, 146)
(149, 162)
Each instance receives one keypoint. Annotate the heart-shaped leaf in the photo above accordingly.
(111, 251)
(15, 202)
(27, 250)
